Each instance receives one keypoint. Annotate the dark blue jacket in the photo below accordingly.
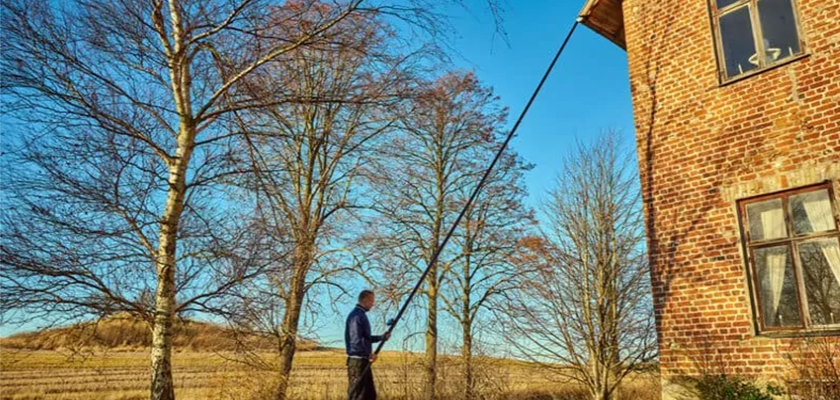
(357, 338)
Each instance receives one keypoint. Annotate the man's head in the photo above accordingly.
(366, 298)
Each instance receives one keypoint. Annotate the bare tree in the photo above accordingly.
(126, 107)
(445, 137)
(308, 158)
(586, 311)
(486, 243)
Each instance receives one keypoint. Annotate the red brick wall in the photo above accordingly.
(703, 146)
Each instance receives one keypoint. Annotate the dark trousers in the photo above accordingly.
(364, 389)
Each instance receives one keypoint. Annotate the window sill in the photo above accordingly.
(791, 334)
(762, 70)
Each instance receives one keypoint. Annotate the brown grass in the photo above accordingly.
(109, 360)
(123, 375)
(126, 333)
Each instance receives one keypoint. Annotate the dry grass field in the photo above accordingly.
(108, 360)
(123, 375)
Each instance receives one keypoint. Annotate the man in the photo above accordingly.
(359, 343)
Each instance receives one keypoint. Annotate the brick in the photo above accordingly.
(713, 145)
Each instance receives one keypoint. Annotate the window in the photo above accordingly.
(746, 29)
(793, 249)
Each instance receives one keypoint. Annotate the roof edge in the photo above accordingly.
(606, 18)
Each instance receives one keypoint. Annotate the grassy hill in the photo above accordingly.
(128, 333)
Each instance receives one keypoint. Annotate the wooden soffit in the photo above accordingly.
(606, 18)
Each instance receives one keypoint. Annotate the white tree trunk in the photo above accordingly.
(162, 387)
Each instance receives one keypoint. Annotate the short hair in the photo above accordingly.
(365, 294)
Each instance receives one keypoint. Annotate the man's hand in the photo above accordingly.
(372, 358)
(387, 335)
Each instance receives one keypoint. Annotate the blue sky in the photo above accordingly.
(587, 92)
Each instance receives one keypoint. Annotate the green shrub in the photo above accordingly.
(722, 387)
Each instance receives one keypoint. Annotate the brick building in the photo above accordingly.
(739, 156)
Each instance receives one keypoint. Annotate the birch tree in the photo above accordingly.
(586, 312)
(124, 108)
(150, 87)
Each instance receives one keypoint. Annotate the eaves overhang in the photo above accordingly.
(606, 18)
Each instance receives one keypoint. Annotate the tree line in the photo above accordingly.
(240, 158)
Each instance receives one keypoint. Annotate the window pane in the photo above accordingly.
(812, 212)
(736, 33)
(778, 26)
(725, 3)
(821, 272)
(777, 287)
(767, 220)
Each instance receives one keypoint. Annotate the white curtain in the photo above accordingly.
(831, 251)
(818, 209)
(773, 225)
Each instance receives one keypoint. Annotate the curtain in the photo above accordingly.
(818, 210)
(831, 251)
(776, 265)
(773, 225)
